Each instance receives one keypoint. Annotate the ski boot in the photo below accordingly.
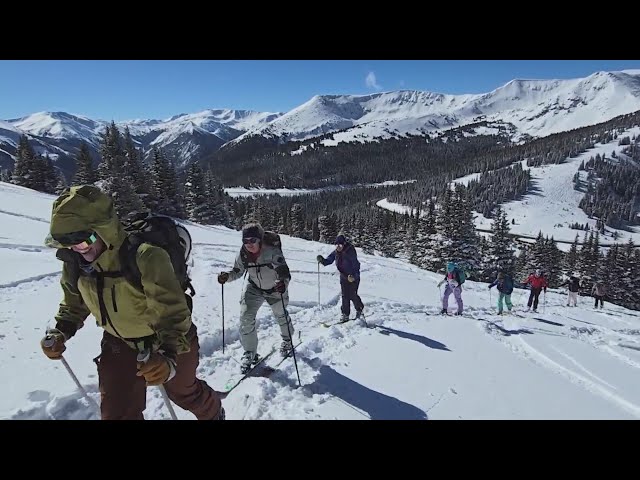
(286, 347)
(344, 318)
(249, 359)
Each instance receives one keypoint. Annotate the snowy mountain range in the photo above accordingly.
(520, 108)
(183, 137)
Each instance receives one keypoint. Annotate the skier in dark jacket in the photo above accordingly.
(574, 286)
(346, 259)
(505, 287)
(599, 291)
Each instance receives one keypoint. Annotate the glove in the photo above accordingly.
(489, 287)
(320, 259)
(223, 277)
(54, 351)
(280, 287)
(351, 279)
(157, 370)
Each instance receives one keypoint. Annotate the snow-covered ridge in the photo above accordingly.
(534, 107)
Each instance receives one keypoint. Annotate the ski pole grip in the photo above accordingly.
(144, 356)
(49, 341)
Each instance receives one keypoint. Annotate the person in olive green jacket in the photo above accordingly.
(84, 223)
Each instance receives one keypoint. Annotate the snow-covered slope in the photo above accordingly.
(412, 364)
(553, 203)
(532, 107)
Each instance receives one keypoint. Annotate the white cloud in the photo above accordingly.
(371, 81)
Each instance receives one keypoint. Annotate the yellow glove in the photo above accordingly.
(53, 344)
(156, 370)
(351, 279)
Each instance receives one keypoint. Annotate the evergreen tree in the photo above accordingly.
(197, 206)
(135, 169)
(25, 164)
(501, 250)
(571, 259)
(114, 180)
(85, 174)
(328, 228)
(297, 221)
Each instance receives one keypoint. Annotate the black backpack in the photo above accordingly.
(163, 232)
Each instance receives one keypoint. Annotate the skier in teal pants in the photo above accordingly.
(505, 287)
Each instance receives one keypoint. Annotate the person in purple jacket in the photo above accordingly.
(348, 265)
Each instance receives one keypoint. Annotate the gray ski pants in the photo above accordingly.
(251, 302)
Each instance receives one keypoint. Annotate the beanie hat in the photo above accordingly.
(253, 229)
(340, 240)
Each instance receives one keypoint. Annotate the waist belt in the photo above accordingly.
(271, 290)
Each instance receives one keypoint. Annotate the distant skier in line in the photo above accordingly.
(599, 291)
(505, 287)
(537, 282)
(454, 279)
(346, 259)
(574, 287)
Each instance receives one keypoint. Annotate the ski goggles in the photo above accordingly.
(250, 240)
(79, 240)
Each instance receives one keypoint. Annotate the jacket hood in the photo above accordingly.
(83, 208)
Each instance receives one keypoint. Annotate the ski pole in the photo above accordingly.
(143, 357)
(49, 341)
(544, 302)
(223, 318)
(318, 284)
(293, 348)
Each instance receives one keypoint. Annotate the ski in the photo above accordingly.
(340, 322)
(268, 369)
(234, 381)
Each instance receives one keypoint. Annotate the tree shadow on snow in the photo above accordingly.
(412, 336)
(378, 405)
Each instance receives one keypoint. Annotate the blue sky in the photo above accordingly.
(125, 90)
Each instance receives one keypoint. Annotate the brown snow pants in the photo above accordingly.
(123, 393)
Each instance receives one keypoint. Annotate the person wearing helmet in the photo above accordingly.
(88, 235)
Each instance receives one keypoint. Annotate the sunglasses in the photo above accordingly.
(250, 240)
(81, 240)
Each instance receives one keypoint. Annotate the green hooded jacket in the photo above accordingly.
(159, 316)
